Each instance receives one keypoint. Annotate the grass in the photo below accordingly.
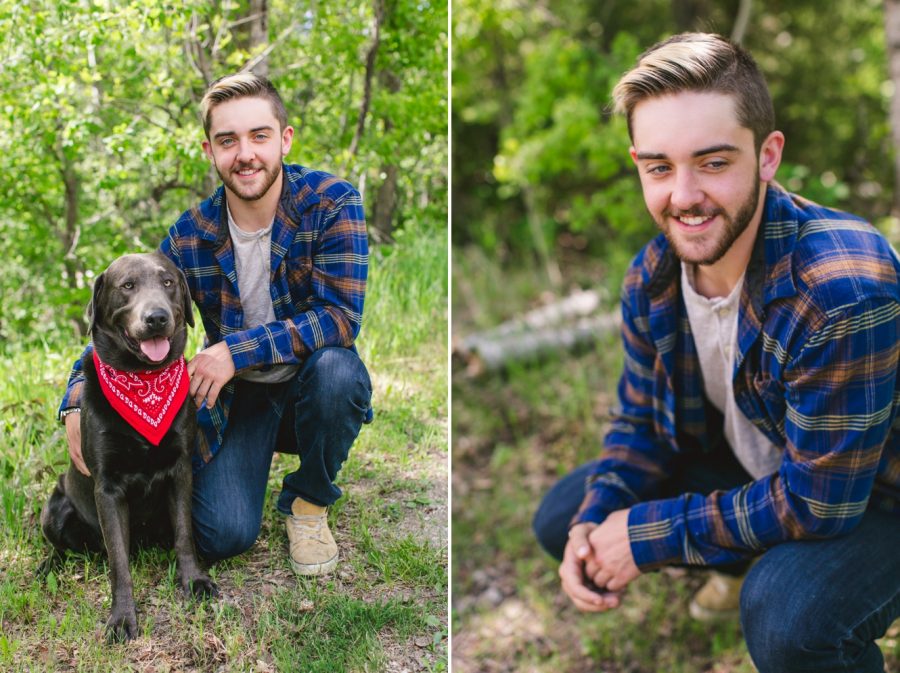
(514, 434)
(386, 607)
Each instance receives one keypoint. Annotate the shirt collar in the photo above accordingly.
(769, 274)
(297, 195)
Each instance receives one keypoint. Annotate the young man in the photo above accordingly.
(276, 261)
(760, 391)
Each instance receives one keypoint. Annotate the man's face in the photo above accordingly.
(246, 146)
(699, 172)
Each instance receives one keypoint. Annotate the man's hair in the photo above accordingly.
(699, 62)
(241, 85)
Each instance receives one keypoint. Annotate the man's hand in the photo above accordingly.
(73, 435)
(210, 369)
(611, 564)
(572, 573)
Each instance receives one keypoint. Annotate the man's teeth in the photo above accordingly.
(247, 171)
(693, 221)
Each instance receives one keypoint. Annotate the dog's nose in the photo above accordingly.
(156, 319)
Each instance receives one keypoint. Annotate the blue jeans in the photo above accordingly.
(811, 605)
(317, 415)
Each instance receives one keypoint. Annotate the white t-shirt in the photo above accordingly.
(714, 325)
(252, 254)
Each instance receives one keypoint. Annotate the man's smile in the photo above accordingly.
(693, 221)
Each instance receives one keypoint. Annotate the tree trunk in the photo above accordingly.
(259, 34)
(386, 198)
(385, 204)
(685, 13)
(70, 235)
(371, 54)
(892, 33)
(741, 21)
(250, 31)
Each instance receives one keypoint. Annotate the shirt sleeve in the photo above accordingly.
(635, 457)
(72, 396)
(334, 313)
(838, 392)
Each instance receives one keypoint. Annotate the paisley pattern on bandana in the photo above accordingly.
(147, 400)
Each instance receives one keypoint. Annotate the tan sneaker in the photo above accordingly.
(313, 550)
(719, 599)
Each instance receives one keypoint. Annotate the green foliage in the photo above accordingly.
(388, 600)
(541, 166)
(99, 128)
(100, 131)
(514, 435)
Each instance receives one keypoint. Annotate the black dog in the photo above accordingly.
(140, 483)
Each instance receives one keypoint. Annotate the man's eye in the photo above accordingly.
(261, 136)
(657, 170)
(226, 142)
(716, 164)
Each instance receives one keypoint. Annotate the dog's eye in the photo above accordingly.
(167, 282)
(128, 285)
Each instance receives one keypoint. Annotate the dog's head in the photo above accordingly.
(138, 312)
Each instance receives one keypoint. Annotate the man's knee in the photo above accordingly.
(774, 634)
(555, 513)
(335, 375)
(787, 627)
(224, 539)
(550, 530)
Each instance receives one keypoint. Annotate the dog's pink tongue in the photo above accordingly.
(156, 349)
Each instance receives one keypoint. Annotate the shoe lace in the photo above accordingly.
(307, 526)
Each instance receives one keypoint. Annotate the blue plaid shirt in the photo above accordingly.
(319, 263)
(816, 372)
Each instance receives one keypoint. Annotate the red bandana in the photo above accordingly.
(148, 400)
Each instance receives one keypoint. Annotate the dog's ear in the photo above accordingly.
(186, 298)
(92, 314)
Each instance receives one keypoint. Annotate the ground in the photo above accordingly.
(514, 433)
(384, 609)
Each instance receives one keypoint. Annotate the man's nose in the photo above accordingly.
(245, 151)
(686, 191)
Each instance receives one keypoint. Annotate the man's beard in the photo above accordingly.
(733, 227)
(270, 175)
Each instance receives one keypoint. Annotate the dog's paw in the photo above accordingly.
(50, 564)
(122, 626)
(200, 586)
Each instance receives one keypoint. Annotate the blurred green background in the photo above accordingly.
(101, 143)
(545, 202)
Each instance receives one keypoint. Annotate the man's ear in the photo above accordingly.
(207, 148)
(287, 138)
(770, 156)
(633, 153)
(92, 313)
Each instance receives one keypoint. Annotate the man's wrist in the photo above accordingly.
(656, 532)
(595, 515)
(70, 410)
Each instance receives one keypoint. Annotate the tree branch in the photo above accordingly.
(252, 63)
(367, 83)
(741, 22)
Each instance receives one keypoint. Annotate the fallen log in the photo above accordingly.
(562, 326)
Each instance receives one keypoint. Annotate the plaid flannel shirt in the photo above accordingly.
(816, 372)
(319, 263)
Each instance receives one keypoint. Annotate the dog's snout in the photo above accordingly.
(156, 319)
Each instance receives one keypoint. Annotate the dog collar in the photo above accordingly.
(147, 400)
